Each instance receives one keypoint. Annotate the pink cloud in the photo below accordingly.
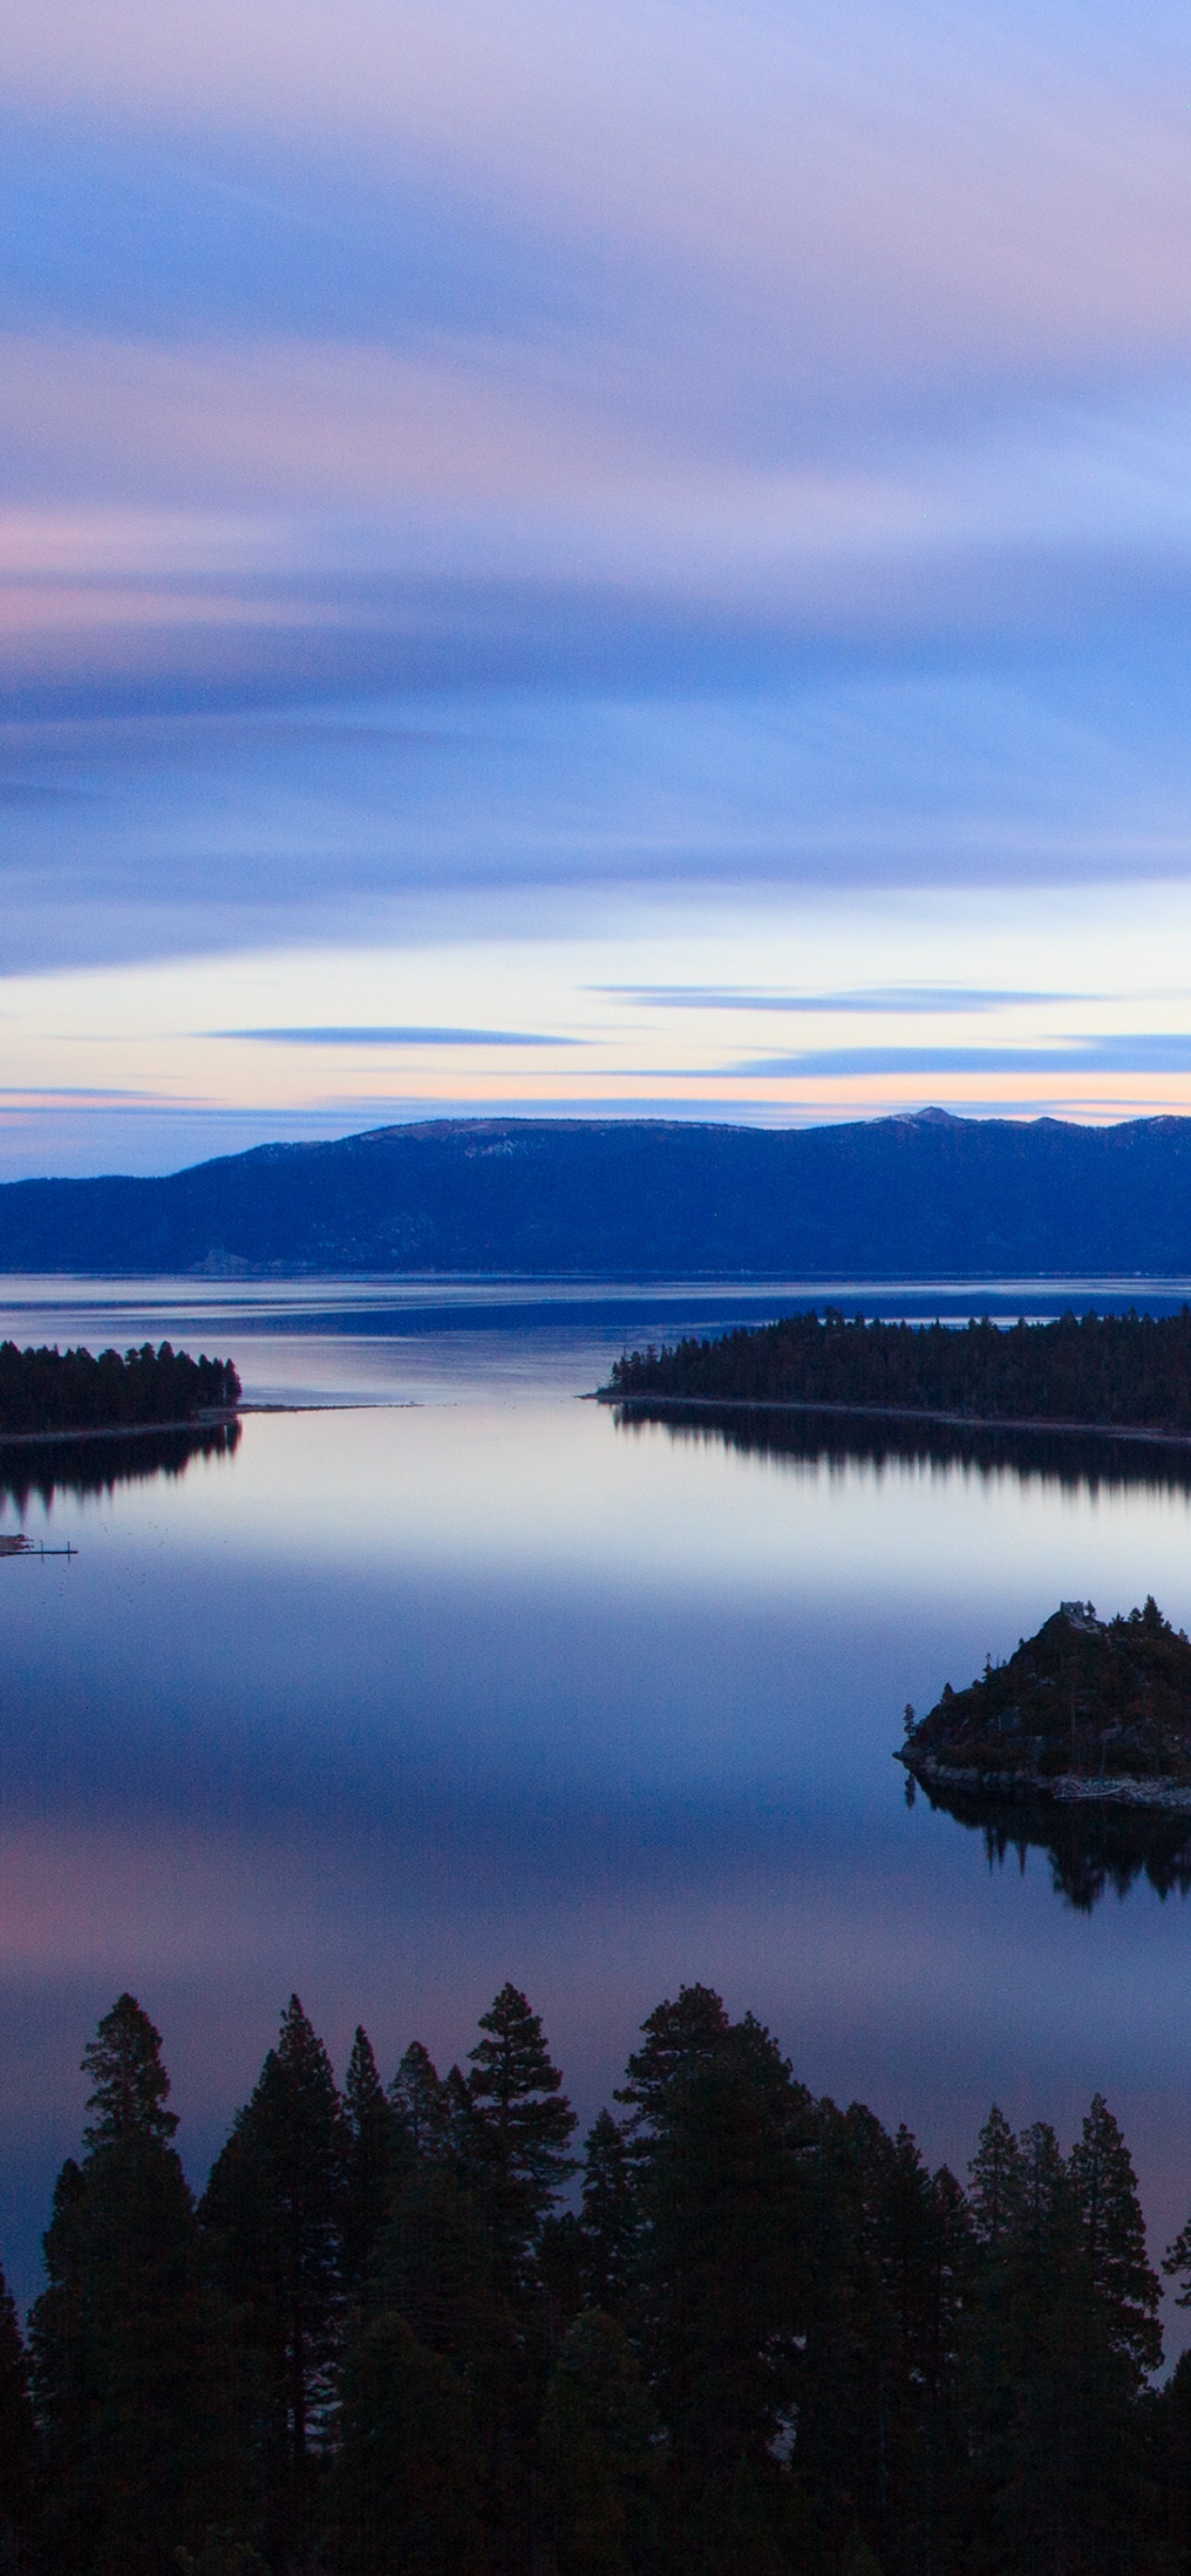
(878, 191)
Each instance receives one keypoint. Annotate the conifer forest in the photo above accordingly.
(52, 1391)
(410, 2329)
(1132, 1370)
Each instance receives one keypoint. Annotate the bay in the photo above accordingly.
(455, 1677)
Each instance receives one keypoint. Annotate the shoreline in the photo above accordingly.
(1064, 1789)
(196, 1422)
(896, 1413)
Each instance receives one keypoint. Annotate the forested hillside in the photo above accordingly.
(1128, 1369)
(892, 1198)
(767, 2338)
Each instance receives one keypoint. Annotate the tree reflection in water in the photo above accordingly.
(39, 1469)
(1091, 1849)
(1091, 1460)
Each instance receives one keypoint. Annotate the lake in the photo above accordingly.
(457, 1678)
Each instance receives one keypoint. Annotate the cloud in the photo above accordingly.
(90, 1091)
(491, 465)
(875, 188)
(1159, 1053)
(348, 1037)
(515, 757)
(899, 1000)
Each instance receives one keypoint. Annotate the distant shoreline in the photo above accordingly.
(643, 1403)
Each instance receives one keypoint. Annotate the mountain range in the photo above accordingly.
(927, 1196)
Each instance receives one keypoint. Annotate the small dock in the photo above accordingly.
(23, 1546)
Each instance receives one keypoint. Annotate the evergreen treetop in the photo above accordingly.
(679, 2039)
(996, 2192)
(370, 2160)
(1114, 2236)
(422, 2106)
(610, 2217)
(520, 2123)
(130, 2083)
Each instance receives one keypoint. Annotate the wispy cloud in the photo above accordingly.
(1160, 1053)
(412, 1037)
(910, 1001)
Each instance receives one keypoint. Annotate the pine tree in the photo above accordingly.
(441, 2273)
(58, 2348)
(1025, 2405)
(1063, 2331)
(609, 2221)
(18, 2437)
(129, 2351)
(519, 2124)
(130, 2083)
(272, 2212)
(921, 2247)
(370, 2163)
(720, 2134)
(1169, 2428)
(407, 2484)
(996, 2189)
(599, 2452)
(422, 2109)
(679, 2039)
(1124, 2281)
(878, 2440)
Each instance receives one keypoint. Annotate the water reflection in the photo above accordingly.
(418, 1695)
(1079, 1461)
(87, 1466)
(1091, 1849)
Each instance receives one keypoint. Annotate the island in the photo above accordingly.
(49, 1393)
(1088, 1709)
(1122, 1373)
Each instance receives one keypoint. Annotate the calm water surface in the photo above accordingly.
(470, 1681)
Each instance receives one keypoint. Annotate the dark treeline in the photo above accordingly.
(97, 1466)
(767, 2341)
(53, 1390)
(1077, 1460)
(1129, 1369)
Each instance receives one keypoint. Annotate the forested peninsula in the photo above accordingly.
(1087, 1708)
(765, 2340)
(52, 1391)
(1110, 1371)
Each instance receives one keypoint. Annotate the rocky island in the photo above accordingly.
(1088, 1709)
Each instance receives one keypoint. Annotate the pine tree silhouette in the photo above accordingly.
(422, 2106)
(370, 2163)
(610, 2218)
(18, 2436)
(129, 2347)
(272, 2212)
(519, 2123)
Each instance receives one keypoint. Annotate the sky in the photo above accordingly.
(622, 559)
